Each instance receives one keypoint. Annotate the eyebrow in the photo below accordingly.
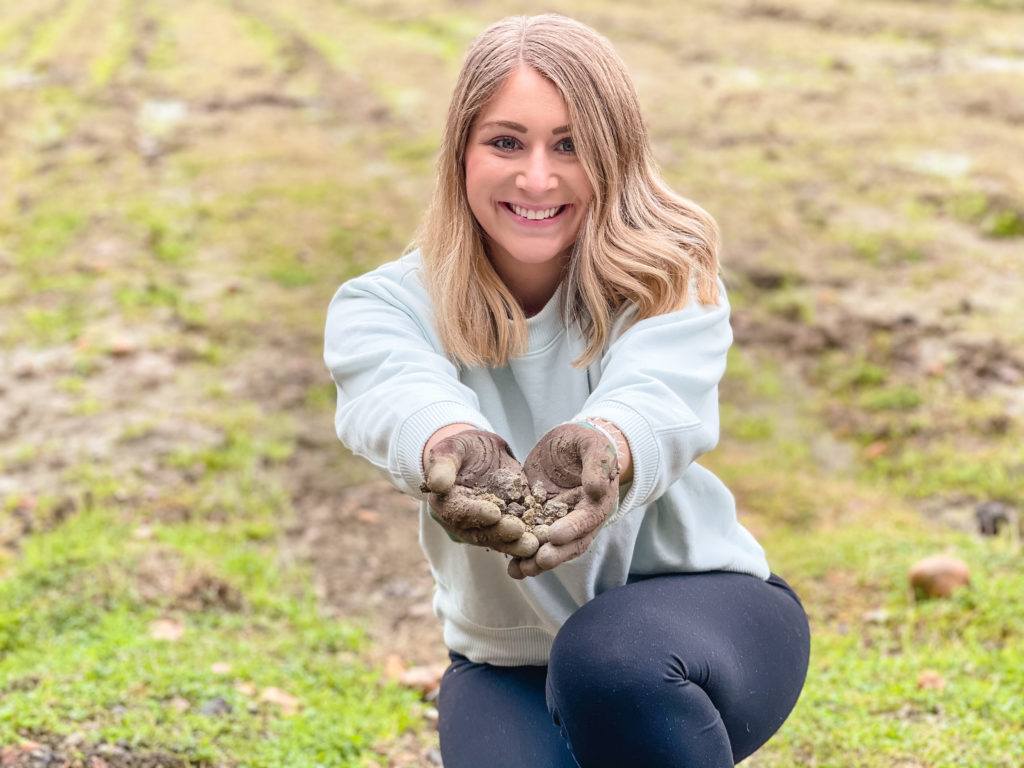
(522, 128)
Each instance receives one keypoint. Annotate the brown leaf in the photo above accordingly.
(929, 678)
(166, 629)
(289, 704)
(424, 679)
(394, 667)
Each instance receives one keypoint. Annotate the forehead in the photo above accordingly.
(528, 98)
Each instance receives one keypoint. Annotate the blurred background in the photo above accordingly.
(195, 572)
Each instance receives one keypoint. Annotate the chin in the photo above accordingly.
(534, 258)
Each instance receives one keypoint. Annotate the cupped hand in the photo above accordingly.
(576, 464)
(454, 467)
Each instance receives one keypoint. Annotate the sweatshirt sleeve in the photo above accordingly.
(659, 386)
(394, 388)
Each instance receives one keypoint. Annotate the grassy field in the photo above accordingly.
(194, 571)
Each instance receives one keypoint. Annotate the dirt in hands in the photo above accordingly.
(535, 507)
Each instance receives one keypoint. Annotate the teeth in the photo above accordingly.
(533, 215)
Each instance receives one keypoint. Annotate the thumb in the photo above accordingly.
(441, 471)
(600, 467)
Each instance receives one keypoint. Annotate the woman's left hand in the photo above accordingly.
(574, 463)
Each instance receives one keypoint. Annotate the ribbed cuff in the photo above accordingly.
(643, 445)
(417, 429)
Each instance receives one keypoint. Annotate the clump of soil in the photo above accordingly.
(509, 492)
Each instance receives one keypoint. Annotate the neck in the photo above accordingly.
(533, 285)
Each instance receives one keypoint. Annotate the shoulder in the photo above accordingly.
(627, 321)
(398, 282)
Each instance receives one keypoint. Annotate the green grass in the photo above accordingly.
(862, 705)
(76, 651)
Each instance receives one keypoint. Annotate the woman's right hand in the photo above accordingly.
(462, 462)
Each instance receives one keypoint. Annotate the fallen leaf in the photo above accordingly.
(289, 704)
(424, 679)
(166, 629)
(876, 449)
(246, 689)
(394, 667)
(929, 678)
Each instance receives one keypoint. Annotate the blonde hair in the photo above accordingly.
(639, 241)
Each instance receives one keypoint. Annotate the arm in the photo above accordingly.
(395, 390)
(659, 388)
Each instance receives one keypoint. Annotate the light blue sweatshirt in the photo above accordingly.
(657, 382)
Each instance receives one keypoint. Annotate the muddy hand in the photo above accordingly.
(462, 462)
(576, 463)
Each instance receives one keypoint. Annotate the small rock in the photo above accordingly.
(539, 493)
(216, 706)
(543, 533)
(220, 668)
(557, 509)
(507, 484)
(938, 576)
(434, 756)
(991, 517)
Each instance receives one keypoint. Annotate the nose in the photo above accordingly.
(537, 177)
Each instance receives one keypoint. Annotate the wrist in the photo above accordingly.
(625, 456)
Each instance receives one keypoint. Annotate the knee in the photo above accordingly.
(592, 667)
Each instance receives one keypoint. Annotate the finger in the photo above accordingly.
(460, 511)
(525, 546)
(551, 555)
(600, 468)
(581, 521)
(441, 471)
(514, 570)
(528, 566)
(509, 528)
(571, 497)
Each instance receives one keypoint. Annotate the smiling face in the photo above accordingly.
(532, 166)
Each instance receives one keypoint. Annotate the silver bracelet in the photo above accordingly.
(602, 430)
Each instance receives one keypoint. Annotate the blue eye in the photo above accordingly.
(497, 142)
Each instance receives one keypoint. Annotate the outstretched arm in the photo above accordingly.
(659, 387)
(395, 389)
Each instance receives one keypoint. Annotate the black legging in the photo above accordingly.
(682, 670)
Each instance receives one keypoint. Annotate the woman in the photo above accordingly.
(563, 307)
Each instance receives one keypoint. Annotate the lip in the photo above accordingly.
(536, 223)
